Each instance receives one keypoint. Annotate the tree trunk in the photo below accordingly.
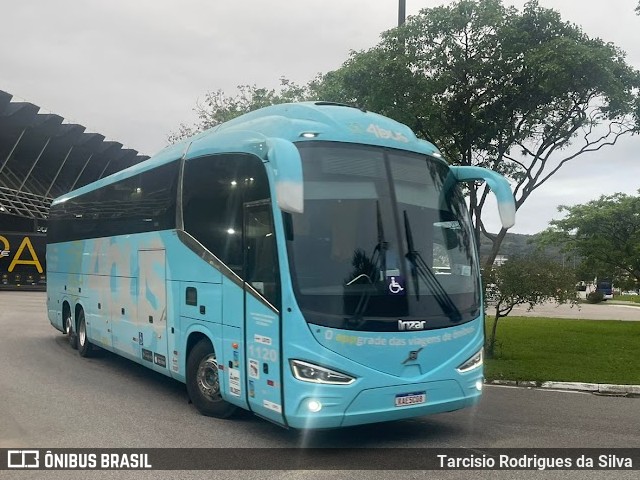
(490, 343)
(497, 242)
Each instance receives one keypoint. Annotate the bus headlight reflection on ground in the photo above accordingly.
(308, 372)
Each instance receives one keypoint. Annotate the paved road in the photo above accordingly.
(601, 311)
(52, 398)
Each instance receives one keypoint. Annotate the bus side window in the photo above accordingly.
(214, 190)
(261, 261)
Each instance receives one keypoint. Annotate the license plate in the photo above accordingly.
(408, 399)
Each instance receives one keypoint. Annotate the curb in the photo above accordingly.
(595, 388)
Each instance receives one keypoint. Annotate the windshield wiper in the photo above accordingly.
(378, 265)
(420, 269)
(380, 261)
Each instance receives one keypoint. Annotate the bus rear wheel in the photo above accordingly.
(84, 345)
(203, 382)
(69, 331)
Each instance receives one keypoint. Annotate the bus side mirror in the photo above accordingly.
(499, 186)
(287, 169)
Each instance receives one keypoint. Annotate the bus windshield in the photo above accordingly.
(384, 242)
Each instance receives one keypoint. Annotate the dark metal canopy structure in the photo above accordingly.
(43, 157)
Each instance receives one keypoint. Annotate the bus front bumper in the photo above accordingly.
(379, 404)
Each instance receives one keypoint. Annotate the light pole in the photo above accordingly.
(402, 11)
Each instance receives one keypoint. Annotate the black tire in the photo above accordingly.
(69, 331)
(84, 345)
(203, 383)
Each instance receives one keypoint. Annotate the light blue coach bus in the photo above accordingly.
(312, 263)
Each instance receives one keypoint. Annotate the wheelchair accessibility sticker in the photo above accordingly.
(396, 285)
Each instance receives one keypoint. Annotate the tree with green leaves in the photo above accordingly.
(526, 280)
(217, 107)
(604, 232)
(521, 93)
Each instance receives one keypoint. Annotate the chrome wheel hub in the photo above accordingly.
(82, 333)
(207, 378)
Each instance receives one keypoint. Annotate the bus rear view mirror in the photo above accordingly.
(287, 169)
(499, 186)
(451, 239)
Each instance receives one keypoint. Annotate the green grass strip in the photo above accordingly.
(627, 298)
(542, 349)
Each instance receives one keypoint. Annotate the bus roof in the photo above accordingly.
(296, 122)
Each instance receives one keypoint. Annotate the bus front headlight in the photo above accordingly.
(308, 372)
(474, 362)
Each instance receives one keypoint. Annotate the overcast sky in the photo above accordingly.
(133, 70)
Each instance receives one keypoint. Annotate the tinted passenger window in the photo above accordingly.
(214, 190)
(145, 202)
(261, 260)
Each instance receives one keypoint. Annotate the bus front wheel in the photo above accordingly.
(84, 345)
(203, 382)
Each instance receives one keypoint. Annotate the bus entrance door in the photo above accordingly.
(262, 316)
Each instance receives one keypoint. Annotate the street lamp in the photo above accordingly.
(402, 11)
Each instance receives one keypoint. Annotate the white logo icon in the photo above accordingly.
(23, 459)
(395, 287)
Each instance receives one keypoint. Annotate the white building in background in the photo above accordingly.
(500, 260)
